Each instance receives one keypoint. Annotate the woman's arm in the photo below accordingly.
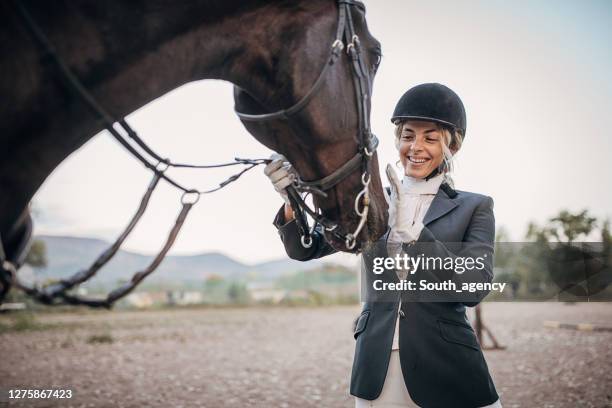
(287, 229)
(281, 174)
(478, 244)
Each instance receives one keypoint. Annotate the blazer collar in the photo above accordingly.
(443, 203)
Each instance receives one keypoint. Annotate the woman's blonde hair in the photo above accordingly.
(451, 141)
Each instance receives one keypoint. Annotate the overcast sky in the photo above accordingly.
(534, 76)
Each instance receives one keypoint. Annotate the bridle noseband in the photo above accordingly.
(367, 142)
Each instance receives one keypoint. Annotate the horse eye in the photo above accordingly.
(377, 61)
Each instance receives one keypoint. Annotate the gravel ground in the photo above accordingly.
(282, 357)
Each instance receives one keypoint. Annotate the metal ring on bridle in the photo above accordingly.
(304, 244)
(365, 181)
(350, 241)
(358, 199)
(188, 193)
(8, 266)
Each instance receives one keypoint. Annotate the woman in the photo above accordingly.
(418, 353)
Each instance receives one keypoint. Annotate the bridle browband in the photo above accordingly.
(367, 142)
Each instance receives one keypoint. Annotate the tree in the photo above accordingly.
(606, 240)
(503, 254)
(565, 227)
(505, 260)
(571, 264)
(238, 293)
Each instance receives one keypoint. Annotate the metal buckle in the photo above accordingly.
(337, 46)
(159, 167)
(190, 192)
(355, 44)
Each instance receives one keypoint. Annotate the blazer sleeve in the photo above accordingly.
(292, 241)
(478, 241)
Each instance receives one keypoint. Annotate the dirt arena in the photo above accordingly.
(280, 357)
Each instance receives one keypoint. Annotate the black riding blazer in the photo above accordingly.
(441, 359)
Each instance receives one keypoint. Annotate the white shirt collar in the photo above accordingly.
(417, 186)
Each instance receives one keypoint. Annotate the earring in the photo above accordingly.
(397, 163)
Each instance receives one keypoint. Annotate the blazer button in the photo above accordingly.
(401, 313)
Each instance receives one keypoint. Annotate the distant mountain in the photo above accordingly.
(66, 255)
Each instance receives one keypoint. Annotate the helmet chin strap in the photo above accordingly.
(434, 173)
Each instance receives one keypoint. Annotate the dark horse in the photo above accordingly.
(129, 53)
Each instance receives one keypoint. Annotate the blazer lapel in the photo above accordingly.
(441, 205)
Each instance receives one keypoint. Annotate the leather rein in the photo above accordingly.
(367, 142)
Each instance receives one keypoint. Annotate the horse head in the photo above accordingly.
(65, 61)
(308, 97)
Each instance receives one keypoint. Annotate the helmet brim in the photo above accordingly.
(424, 118)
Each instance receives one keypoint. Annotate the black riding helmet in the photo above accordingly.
(433, 102)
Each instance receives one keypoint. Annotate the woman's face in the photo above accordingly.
(420, 148)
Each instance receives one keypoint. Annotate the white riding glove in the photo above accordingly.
(281, 173)
(401, 211)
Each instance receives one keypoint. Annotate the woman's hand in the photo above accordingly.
(400, 211)
(395, 201)
(281, 173)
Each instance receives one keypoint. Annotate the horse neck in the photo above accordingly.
(233, 40)
(126, 54)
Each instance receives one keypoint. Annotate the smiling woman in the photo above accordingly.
(425, 214)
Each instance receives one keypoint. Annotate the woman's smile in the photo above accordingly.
(417, 161)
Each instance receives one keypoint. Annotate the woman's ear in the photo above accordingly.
(397, 143)
(453, 147)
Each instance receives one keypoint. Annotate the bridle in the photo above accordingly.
(367, 142)
(57, 293)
